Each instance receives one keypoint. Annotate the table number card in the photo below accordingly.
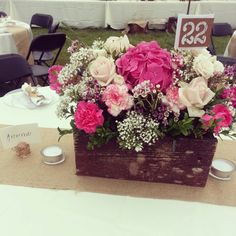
(193, 31)
(12, 135)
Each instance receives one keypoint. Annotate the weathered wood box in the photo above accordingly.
(179, 161)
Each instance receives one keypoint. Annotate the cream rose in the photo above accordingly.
(195, 96)
(203, 66)
(103, 70)
(116, 45)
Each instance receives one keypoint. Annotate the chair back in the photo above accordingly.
(54, 28)
(3, 14)
(13, 67)
(229, 61)
(41, 20)
(222, 29)
(219, 29)
(46, 43)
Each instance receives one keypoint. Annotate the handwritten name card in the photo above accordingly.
(12, 135)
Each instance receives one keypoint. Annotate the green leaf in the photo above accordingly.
(63, 132)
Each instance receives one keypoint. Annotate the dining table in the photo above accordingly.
(39, 199)
(230, 50)
(15, 37)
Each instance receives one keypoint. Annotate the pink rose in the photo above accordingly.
(230, 94)
(88, 116)
(222, 116)
(117, 99)
(146, 61)
(53, 73)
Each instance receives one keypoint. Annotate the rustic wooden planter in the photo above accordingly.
(180, 161)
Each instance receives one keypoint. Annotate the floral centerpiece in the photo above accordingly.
(129, 100)
(140, 94)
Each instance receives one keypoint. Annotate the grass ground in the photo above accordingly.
(87, 36)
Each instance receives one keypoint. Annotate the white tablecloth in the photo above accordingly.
(77, 13)
(37, 212)
(232, 45)
(45, 115)
(7, 42)
(97, 13)
(118, 14)
(224, 11)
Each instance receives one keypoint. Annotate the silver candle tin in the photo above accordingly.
(53, 155)
(222, 169)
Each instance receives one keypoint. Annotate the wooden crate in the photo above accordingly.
(179, 161)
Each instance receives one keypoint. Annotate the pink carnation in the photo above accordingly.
(230, 94)
(221, 115)
(207, 121)
(146, 61)
(117, 99)
(172, 99)
(88, 116)
(53, 77)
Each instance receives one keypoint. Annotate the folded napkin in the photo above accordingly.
(34, 95)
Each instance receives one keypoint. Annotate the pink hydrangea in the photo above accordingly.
(221, 115)
(146, 61)
(230, 94)
(117, 99)
(53, 78)
(88, 116)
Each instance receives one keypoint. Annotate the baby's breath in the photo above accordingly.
(136, 130)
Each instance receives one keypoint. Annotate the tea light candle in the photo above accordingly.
(222, 168)
(52, 155)
(52, 151)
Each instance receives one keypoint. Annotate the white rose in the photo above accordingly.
(203, 66)
(218, 66)
(116, 45)
(103, 70)
(195, 52)
(195, 96)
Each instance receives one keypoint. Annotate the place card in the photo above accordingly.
(193, 31)
(12, 135)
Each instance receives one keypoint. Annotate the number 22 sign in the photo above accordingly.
(193, 31)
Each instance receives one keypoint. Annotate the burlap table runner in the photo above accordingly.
(32, 172)
(22, 40)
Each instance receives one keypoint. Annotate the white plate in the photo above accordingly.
(17, 98)
(219, 178)
(55, 163)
